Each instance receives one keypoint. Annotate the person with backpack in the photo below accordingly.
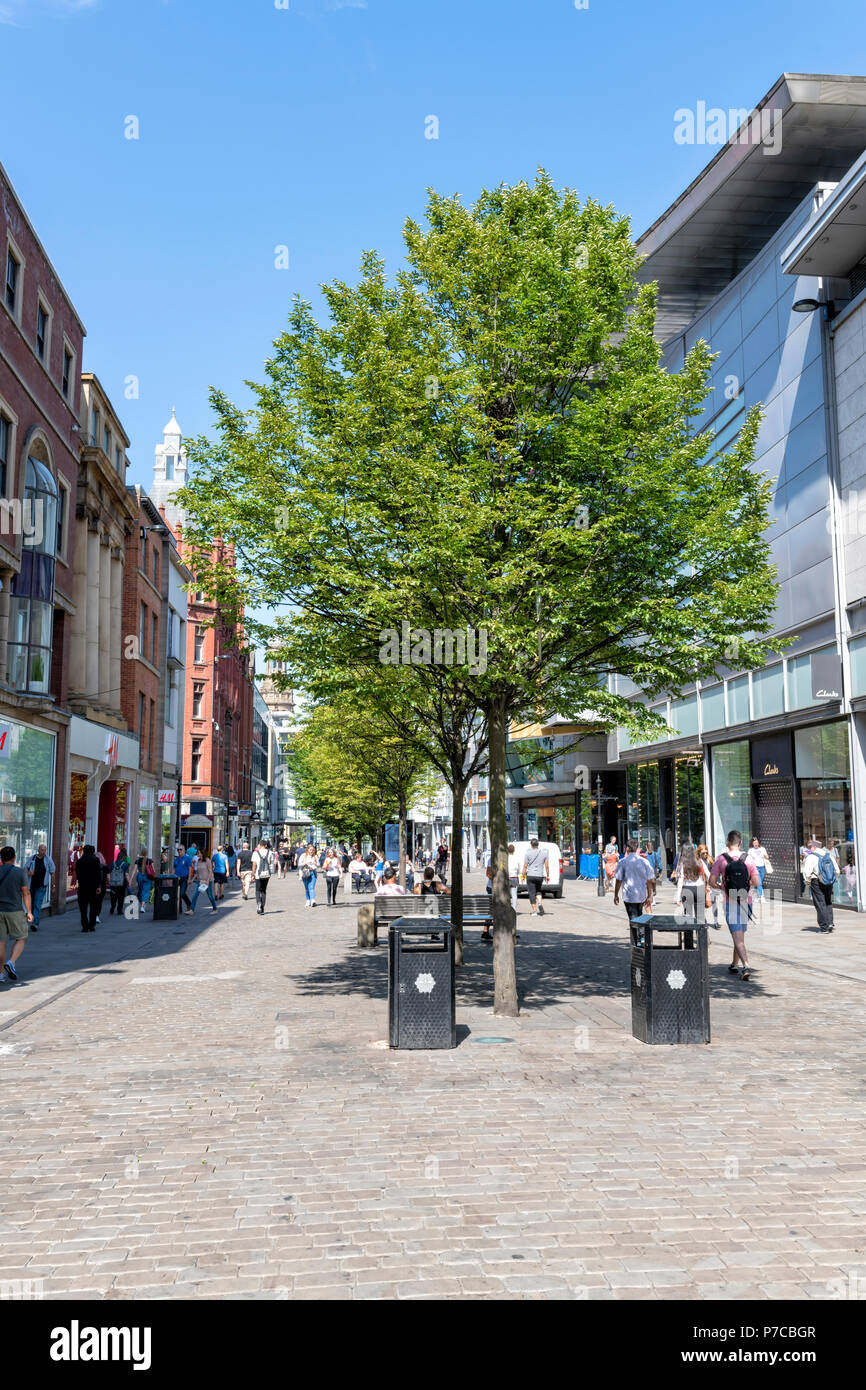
(733, 873)
(16, 913)
(820, 874)
(263, 868)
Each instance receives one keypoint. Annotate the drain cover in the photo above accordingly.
(492, 1040)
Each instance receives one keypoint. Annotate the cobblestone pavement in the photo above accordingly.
(206, 1109)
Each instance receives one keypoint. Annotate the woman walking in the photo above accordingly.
(333, 874)
(308, 866)
(759, 859)
(717, 897)
(118, 882)
(220, 864)
(204, 879)
(611, 859)
(693, 893)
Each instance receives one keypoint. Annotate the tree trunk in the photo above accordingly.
(504, 923)
(402, 874)
(458, 791)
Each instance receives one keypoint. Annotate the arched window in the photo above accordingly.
(32, 595)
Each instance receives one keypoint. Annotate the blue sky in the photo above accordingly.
(305, 127)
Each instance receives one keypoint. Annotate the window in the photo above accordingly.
(154, 627)
(31, 600)
(684, 715)
(94, 425)
(142, 629)
(150, 736)
(196, 759)
(106, 441)
(738, 701)
(42, 321)
(858, 666)
(169, 467)
(5, 447)
(62, 517)
(142, 565)
(732, 792)
(155, 567)
(800, 681)
(13, 269)
(117, 458)
(198, 655)
(67, 371)
(768, 691)
(197, 699)
(713, 707)
(169, 703)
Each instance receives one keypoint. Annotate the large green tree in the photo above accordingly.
(489, 443)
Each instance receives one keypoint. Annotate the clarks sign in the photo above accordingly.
(771, 758)
(826, 676)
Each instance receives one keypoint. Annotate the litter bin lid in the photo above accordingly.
(420, 924)
(667, 923)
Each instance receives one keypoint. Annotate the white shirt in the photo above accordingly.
(634, 873)
(390, 890)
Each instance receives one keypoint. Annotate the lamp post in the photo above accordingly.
(598, 801)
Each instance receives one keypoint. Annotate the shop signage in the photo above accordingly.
(112, 748)
(771, 758)
(826, 676)
(145, 798)
(168, 798)
(232, 810)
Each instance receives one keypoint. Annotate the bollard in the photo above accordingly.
(367, 934)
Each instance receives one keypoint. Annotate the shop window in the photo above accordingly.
(768, 691)
(738, 701)
(26, 788)
(800, 680)
(822, 751)
(689, 788)
(31, 603)
(732, 792)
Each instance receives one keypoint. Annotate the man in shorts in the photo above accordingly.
(737, 876)
(537, 871)
(220, 863)
(15, 913)
(245, 868)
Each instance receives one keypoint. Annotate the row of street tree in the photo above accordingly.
(485, 442)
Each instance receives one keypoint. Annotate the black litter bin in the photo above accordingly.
(165, 897)
(421, 1008)
(670, 997)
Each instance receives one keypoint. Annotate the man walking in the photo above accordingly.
(245, 868)
(537, 871)
(15, 913)
(635, 875)
(263, 867)
(737, 876)
(183, 870)
(820, 874)
(40, 866)
(88, 881)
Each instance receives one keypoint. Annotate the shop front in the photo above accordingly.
(197, 830)
(27, 757)
(787, 788)
(666, 803)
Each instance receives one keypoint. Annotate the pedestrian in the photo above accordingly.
(333, 874)
(220, 863)
(693, 892)
(15, 912)
(513, 874)
(183, 870)
(204, 879)
(308, 868)
(610, 859)
(429, 887)
(820, 874)
(635, 877)
(142, 883)
(118, 883)
(733, 873)
(389, 887)
(244, 868)
(88, 881)
(263, 868)
(537, 871)
(104, 885)
(717, 897)
(758, 857)
(39, 868)
(442, 854)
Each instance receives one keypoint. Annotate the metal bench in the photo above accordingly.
(386, 908)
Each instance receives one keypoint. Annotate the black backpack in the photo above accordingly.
(736, 877)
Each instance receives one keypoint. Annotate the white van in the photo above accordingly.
(554, 864)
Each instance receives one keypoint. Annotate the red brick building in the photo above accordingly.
(41, 343)
(217, 764)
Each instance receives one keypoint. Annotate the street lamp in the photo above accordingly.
(598, 801)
